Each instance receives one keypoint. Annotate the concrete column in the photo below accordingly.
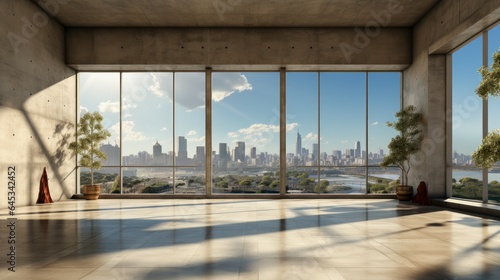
(37, 103)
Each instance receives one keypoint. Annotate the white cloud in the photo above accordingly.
(155, 88)
(194, 139)
(225, 84)
(114, 107)
(291, 126)
(375, 123)
(163, 129)
(109, 106)
(259, 128)
(191, 132)
(344, 141)
(115, 128)
(232, 134)
(83, 110)
(311, 136)
(128, 131)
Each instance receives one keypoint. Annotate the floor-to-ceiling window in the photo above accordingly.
(384, 92)
(157, 125)
(335, 131)
(101, 92)
(469, 117)
(302, 144)
(340, 136)
(245, 132)
(343, 131)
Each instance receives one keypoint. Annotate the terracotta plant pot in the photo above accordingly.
(404, 193)
(91, 192)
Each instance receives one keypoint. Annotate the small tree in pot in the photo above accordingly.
(89, 134)
(403, 146)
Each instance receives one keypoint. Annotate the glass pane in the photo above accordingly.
(101, 92)
(301, 179)
(467, 114)
(302, 145)
(147, 119)
(151, 180)
(107, 177)
(343, 180)
(343, 118)
(384, 98)
(383, 180)
(190, 180)
(467, 182)
(494, 117)
(190, 119)
(245, 130)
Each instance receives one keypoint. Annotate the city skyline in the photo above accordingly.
(238, 155)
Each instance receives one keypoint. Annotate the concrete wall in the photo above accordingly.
(363, 48)
(449, 24)
(37, 103)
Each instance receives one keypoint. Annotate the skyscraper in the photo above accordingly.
(182, 150)
(113, 153)
(357, 149)
(223, 154)
(315, 151)
(200, 155)
(239, 152)
(253, 152)
(157, 154)
(298, 145)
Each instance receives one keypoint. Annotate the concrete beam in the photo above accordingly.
(370, 48)
(468, 23)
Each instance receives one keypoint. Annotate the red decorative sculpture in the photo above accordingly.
(44, 194)
(422, 197)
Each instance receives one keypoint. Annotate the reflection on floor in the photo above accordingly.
(249, 239)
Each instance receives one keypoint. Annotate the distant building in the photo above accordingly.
(113, 154)
(200, 155)
(315, 151)
(239, 152)
(298, 145)
(357, 149)
(253, 152)
(158, 158)
(182, 154)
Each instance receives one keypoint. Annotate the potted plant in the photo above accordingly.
(89, 134)
(489, 151)
(403, 146)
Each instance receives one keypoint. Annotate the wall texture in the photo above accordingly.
(449, 24)
(37, 103)
(239, 48)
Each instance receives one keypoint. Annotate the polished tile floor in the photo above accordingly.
(250, 239)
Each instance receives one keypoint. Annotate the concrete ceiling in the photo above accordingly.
(234, 13)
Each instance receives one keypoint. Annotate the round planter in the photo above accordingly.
(404, 193)
(91, 192)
